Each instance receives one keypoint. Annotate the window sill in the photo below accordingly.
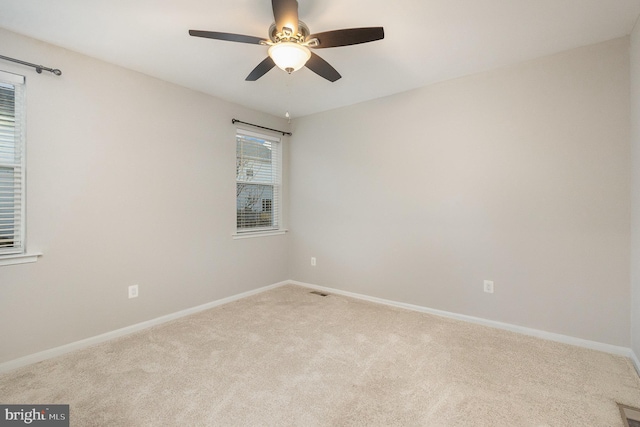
(19, 258)
(250, 235)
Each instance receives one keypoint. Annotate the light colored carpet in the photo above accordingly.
(289, 358)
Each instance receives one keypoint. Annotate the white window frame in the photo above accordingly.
(277, 189)
(17, 253)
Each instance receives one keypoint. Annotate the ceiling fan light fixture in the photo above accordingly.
(289, 56)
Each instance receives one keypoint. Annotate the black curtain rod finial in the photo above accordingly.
(39, 68)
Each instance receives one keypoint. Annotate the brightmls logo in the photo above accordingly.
(37, 415)
(28, 417)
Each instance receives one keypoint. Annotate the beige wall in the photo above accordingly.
(635, 187)
(130, 180)
(519, 175)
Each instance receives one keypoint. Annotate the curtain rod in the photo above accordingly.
(234, 121)
(39, 68)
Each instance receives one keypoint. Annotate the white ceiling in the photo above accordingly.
(426, 41)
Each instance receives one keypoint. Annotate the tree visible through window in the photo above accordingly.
(257, 182)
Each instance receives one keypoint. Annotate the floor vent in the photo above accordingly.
(322, 294)
(630, 416)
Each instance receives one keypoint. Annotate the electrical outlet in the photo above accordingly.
(133, 291)
(313, 261)
(488, 286)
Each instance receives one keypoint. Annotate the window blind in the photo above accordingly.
(12, 135)
(258, 182)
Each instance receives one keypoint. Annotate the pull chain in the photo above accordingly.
(287, 115)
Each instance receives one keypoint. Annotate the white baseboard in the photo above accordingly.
(58, 351)
(634, 359)
(67, 348)
(594, 345)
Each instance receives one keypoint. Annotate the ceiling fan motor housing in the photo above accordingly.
(287, 36)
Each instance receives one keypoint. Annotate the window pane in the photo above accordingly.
(254, 160)
(12, 112)
(7, 208)
(254, 206)
(7, 124)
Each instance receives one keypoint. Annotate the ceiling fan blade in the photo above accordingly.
(226, 36)
(262, 69)
(285, 12)
(322, 68)
(347, 37)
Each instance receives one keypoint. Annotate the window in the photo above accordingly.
(12, 131)
(258, 182)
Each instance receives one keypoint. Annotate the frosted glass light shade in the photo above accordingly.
(289, 56)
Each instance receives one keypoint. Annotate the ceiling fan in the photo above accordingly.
(290, 42)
